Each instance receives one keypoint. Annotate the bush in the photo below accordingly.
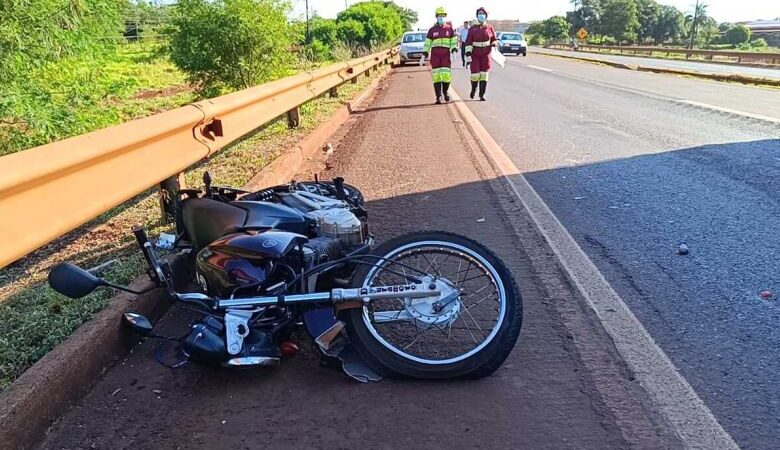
(370, 24)
(534, 39)
(759, 43)
(738, 34)
(351, 32)
(555, 28)
(231, 44)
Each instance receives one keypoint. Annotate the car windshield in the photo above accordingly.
(511, 37)
(416, 37)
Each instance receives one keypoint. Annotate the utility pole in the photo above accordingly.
(308, 36)
(695, 24)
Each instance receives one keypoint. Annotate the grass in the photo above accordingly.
(81, 95)
(33, 318)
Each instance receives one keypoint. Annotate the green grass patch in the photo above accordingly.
(77, 96)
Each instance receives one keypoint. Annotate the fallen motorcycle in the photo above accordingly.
(425, 305)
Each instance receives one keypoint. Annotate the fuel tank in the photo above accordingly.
(242, 260)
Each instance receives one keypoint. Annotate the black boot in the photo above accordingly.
(446, 91)
(474, 85)
(437, 88)
(482, 89)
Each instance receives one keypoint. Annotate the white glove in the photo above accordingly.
(422, 60)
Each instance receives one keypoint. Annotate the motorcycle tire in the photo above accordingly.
(390, 360)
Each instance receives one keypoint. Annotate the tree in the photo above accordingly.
(738, 34)
(620, 20)
(649, 12)
(231, 44)
(324, 30)
(380, 23)
(585, 15)
(708, 31)
(408, 16)
(352, 32)
(670, 26)
(555, 28)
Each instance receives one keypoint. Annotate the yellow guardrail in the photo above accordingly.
(50, 190)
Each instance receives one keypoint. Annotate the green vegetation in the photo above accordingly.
(357, 30)
(644, 22)
(226, 45)
(81, 94)
(738, 34)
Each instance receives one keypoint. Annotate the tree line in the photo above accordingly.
(642, 22)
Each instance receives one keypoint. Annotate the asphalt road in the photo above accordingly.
(563, 387)
(634, 164)
(693, 66)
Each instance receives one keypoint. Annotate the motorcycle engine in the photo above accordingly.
(339, 223)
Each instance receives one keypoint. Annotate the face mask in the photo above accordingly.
(481, 18)
(440, 20)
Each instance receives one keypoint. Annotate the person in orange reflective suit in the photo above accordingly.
(439, 44)
(479, 43)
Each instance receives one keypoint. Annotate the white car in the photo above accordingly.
(509, 42)
(412, 46)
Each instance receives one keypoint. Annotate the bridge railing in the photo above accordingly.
(50, 190)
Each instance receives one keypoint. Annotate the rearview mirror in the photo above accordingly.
(138, 323)
(73, 281)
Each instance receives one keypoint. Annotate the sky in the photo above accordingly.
(526, 11)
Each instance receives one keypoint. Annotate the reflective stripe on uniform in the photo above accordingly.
(481, 76)
(469, 49)
(449, 43)
(481, 44)
(442, 75)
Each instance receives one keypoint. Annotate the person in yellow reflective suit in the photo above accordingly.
(439, 44)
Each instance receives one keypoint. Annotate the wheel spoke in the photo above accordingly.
(401, 325)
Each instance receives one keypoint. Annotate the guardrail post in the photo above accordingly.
(334, 92)
(294, 117)
(169, 197)
(354, 80)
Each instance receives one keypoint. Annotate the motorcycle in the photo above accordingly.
(428, 305)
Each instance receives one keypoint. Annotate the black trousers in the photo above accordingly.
(463, 53)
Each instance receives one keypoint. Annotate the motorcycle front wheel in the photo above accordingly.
(468, 331)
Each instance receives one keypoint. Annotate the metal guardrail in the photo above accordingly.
(50, 190)
(729, 56)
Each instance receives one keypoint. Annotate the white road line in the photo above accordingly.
(730, 111)
(538, 68)
(670, 393)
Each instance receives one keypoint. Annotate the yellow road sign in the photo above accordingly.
(582, 34)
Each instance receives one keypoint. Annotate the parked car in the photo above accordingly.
(512, 43)
(412, 46)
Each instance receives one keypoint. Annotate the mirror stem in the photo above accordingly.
(122, 288)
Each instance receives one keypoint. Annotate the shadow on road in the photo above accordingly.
(705, 308)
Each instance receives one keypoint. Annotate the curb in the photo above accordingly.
(48, 389)
(732, 77)
(705, 75)
(284, 168)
